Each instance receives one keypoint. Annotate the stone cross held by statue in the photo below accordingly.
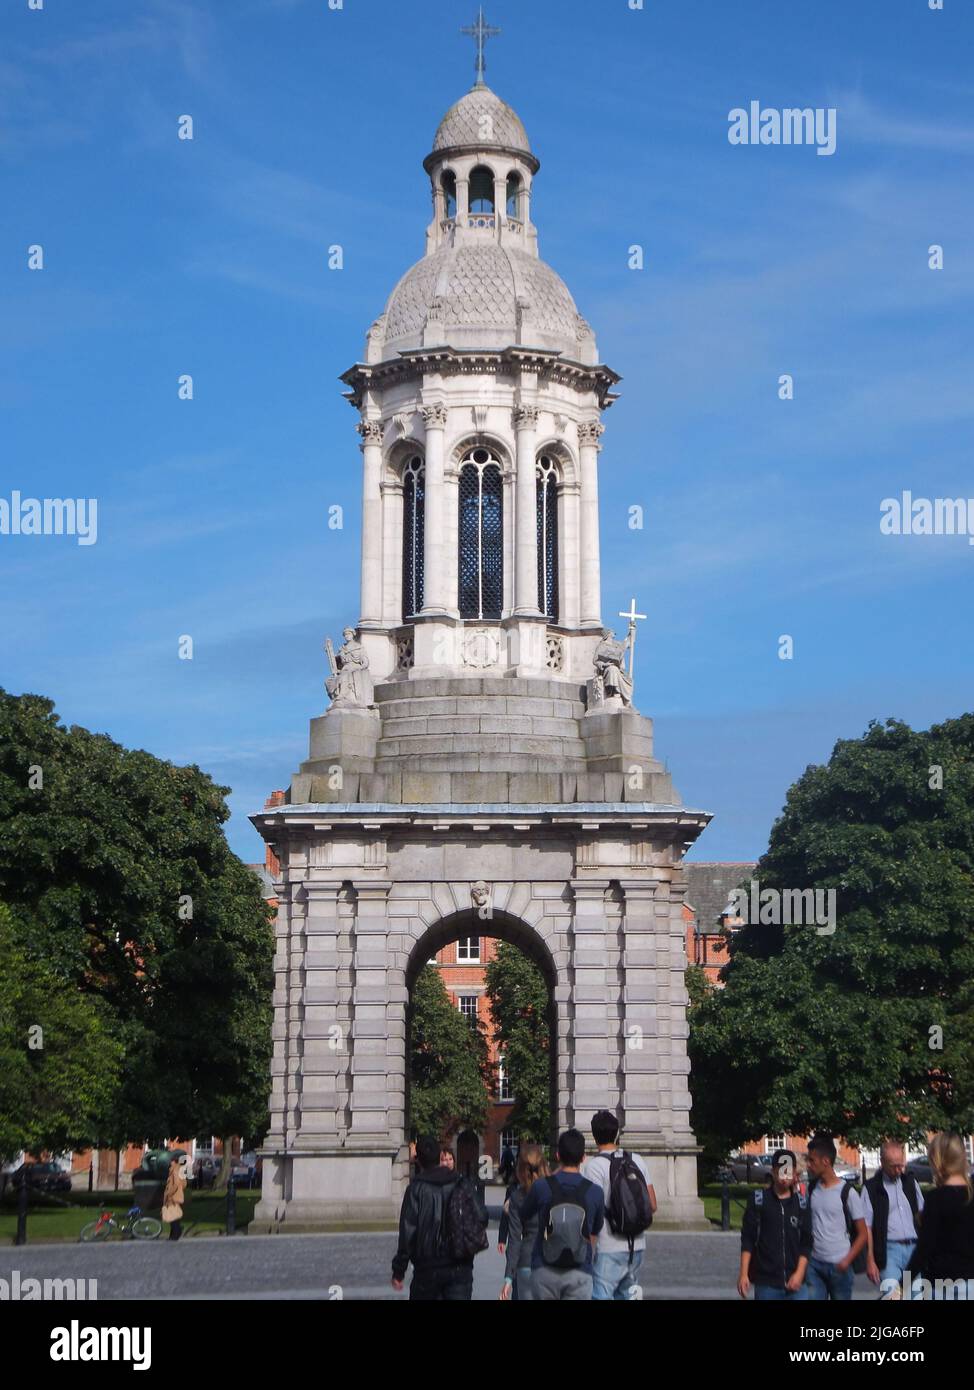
(633, 617)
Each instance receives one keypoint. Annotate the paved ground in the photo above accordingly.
(678, 1266)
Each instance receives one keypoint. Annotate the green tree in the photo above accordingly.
(447, 1063)
(519, 1003)
(118, 875)
(843, 1030)
(59, 1064)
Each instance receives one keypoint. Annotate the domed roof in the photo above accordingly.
(480, 118)
(482, 286)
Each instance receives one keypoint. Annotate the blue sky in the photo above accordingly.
(210, 257)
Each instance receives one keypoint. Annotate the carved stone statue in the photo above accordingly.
(350, 684)
(612, 686)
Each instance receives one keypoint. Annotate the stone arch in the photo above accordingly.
(538, 944)
(562, 455)
(481, 440)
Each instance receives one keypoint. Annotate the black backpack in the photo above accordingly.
(466, 1234)
(859, 1263)
(628, 1210)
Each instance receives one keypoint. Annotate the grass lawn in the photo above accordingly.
(739, 1191)
(204, 1214)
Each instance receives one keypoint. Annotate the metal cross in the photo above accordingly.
(633, 617)
(481, 31)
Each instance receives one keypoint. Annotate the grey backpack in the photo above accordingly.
(565, 1243)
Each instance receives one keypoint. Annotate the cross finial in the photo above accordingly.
(481, 31)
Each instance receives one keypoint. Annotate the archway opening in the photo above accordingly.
(481, 1039)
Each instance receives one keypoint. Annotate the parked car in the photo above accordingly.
(750, 1167)
(44, 1177)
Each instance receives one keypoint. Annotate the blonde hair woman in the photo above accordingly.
(531, 1165)
(945, 1249)
(174, 1197)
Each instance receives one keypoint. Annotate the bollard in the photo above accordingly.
(22, 1194)
(91, 1176)
(231, 1207)
(725, 1206)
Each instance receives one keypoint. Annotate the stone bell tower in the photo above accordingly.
(481, 768)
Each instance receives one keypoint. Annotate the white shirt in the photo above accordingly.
(596, 1169)
(900, 1225)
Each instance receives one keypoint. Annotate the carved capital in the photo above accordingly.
(434, 416)
(371, 431)
(590, 433)
(525, 417)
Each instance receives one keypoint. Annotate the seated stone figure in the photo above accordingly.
(612, 686)
(350, 685)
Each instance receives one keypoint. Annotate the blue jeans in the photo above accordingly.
(764, 1293)
(824, 1281)
(898, 1254)
(614, 1276)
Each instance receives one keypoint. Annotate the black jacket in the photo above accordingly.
(945, 1249)
(880, 1205)
(422, 1221)
(777, 1233)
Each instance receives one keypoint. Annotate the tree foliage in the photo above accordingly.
(59, 1064)
(519, 1001)
(841, 1031)
(448, 1070)
(118, 876)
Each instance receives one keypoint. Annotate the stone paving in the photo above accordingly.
(355, 1266)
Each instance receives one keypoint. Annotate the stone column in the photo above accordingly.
(434, 554)
(526, 514)
(656, 1094)
(371, 432)
(569, 576)
(589, 450)
(500, 204)
(595, 968)
(326, 1024)
(371, 1101)
(463, 202)
(392, 596)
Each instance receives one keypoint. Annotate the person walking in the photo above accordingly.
(893, 1203)
(630, 1204)
(776, 1236)
(838, 1225)
(520, 1237)
(442, 1226)
(174, 1196)
(570, 1213)
(944, 1253)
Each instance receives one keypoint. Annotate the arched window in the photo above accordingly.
(482, 189)
(449, 186)
(413, 531)
(481, 536)
(513, 195)
(548, 537)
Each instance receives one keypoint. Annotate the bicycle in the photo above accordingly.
(134, 1226)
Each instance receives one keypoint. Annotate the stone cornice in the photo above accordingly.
(416, 363)
(583, 816)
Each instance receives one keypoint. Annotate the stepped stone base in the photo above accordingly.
(481, 741)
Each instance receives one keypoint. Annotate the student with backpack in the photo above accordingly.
(839, 1235)
(570, 1214)
(520, 1238)
(630, 1203)
(442, 1226)
(776, 1236)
